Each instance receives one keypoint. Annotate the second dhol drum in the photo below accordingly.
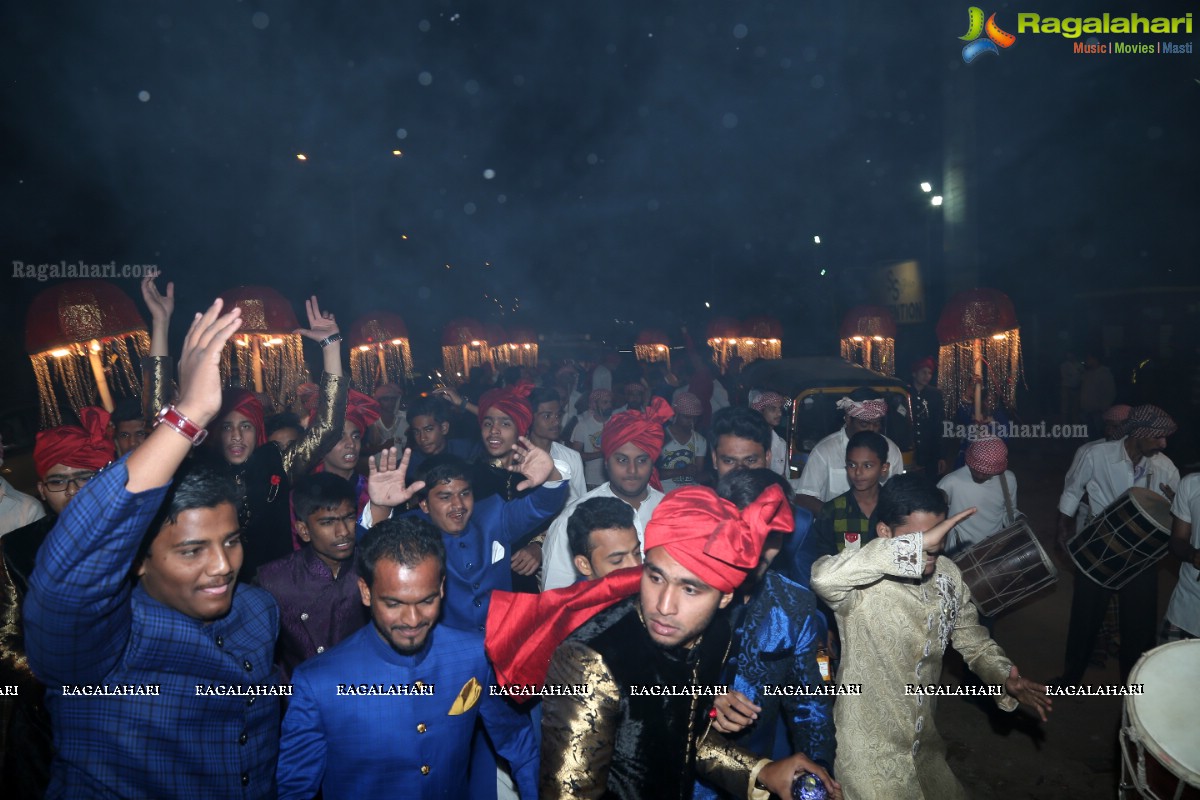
(1126, 538)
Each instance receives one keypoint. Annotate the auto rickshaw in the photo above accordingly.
(813, 386)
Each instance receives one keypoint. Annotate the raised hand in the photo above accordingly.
(1028, 693)
(533, 462)
(200, 362)
(161, 306)
(451, 396)
(154, 462)
(386, 479)
(937, 534)
(321, 324)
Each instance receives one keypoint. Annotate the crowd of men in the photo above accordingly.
(576, 583)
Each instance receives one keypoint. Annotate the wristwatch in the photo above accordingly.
(171, 417)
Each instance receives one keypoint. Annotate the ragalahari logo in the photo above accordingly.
(996, 38)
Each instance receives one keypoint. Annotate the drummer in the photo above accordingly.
(981, 484)
(1183, 612)
(1115, 419)
(1105, 472)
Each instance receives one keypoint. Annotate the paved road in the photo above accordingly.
(1075, 754)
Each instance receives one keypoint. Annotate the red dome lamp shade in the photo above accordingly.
(724, 339)
(464, 347)
(762, 337)
(379, 351)
(868, 338)
(265, 355)
(653, 346)
(519, 347)
(84, 338)
(979, 358)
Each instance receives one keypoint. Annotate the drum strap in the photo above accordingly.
(1008, 505)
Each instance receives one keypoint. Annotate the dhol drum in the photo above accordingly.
(1160, 739)
(1127, 538)
(1006, 567)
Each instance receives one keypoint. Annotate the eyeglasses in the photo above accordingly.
(59, 483)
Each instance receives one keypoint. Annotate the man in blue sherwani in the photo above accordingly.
(162, 686)
(478, 535)
(393, 708)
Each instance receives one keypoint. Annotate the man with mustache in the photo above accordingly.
(631, 442)
(1104, 472)
(391, 711)
(136, 650)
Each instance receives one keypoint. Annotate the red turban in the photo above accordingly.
(245, 403)
(987, 456)
(927, 361)
(523, 630)
(710, 538)
(361, 409)
(643, 428)
(87, 447)
(305, 392)
(511, 400)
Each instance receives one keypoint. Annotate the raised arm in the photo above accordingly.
(387, 485)
(157, 370)
(835, 578)
(542, 473)
(326, 426)
(77, 612)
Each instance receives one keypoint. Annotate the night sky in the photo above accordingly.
(585, 168)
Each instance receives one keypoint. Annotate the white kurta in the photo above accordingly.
(1104, 472)
(779, 463)
(824, 475)
(988, 497)
(571, 456)
(1184, 608)
(558, 569)
(17, 509)
(895, 626)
